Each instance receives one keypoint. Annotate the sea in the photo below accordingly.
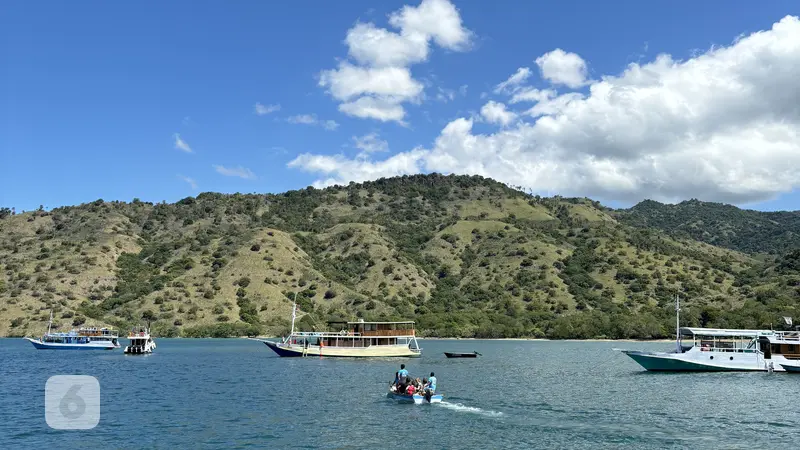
(235, 393)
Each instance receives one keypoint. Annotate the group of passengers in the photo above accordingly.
(405, 385)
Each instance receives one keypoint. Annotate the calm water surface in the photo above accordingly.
(211, 393)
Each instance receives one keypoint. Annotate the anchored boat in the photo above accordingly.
(84, 338)
(140, 341)
(462, 355)
(716, 350)
(353, 340)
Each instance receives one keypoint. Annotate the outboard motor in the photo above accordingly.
(428, 396)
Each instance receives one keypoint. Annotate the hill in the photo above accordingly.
(463, 256)
(720, 224)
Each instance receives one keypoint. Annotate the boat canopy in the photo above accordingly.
(721, 332)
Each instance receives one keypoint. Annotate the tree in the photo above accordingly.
(149, 316)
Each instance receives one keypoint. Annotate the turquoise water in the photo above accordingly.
(212, 393)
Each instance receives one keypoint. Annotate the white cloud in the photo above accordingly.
(370, 143)
(494, 112)
(340, 170)
(312, 119)
(514, 81)
(263, 110)
(560, 67)
(381, 81)
(374, 108)
(349, 81)
(721, 126)
(190, 181)
(180, 144)
(529, 94)
(239, 171)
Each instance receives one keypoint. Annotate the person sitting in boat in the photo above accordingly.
(410, 389)
(430, 386)
(402, 373)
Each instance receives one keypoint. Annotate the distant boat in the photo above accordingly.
(356, 340)
(416, 399)
(462, 355)
(718, 350)
(140, 342)
(81, 339)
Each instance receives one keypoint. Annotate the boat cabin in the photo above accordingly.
(359, 335)
(768, 342)
(720, 340)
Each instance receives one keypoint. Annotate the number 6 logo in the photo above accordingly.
(72, 402)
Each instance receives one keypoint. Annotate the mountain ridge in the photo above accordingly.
(462, 255)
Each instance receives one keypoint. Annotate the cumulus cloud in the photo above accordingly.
(370, 143)
(263, 110)
(239, 171)
(723, 125)
(380, 81)
(180, 144)
(495, 112)
(312, 119)
(340, 170)
(560, 67)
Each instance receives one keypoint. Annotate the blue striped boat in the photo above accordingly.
(416, 399)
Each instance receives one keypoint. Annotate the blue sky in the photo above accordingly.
(96, 96)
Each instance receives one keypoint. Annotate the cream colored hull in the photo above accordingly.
(374, 351)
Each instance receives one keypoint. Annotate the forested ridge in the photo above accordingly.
(461, 255)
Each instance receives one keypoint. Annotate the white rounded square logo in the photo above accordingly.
(72, 402)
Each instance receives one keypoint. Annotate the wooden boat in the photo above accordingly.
(81, 339)
(353, 340)
(416, 399)
(461, 355)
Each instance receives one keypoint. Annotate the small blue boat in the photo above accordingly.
(416, 399)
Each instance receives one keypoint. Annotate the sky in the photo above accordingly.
(617, 101)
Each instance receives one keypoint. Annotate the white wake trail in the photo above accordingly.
(469, 409)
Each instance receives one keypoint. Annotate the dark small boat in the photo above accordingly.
(462, 355)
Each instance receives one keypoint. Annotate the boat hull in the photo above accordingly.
(460, 355)
(59, 346)
(415, 399)
(377, 351)
(690, 362)
(791, 368)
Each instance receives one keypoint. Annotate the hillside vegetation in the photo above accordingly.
(463, 256)
(719, 224)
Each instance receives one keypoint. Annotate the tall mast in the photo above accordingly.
(678, 321)
(50, 323)
(294, 312)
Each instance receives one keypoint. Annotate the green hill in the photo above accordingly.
(463, 256)
(720, 224)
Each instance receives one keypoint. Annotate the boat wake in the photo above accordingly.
(468, 409)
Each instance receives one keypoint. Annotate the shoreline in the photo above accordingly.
(419, 338)
(501, 339)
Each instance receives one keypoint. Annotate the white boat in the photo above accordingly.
(140, 341)
(84, 338)
(353, 340)
(716, 350)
